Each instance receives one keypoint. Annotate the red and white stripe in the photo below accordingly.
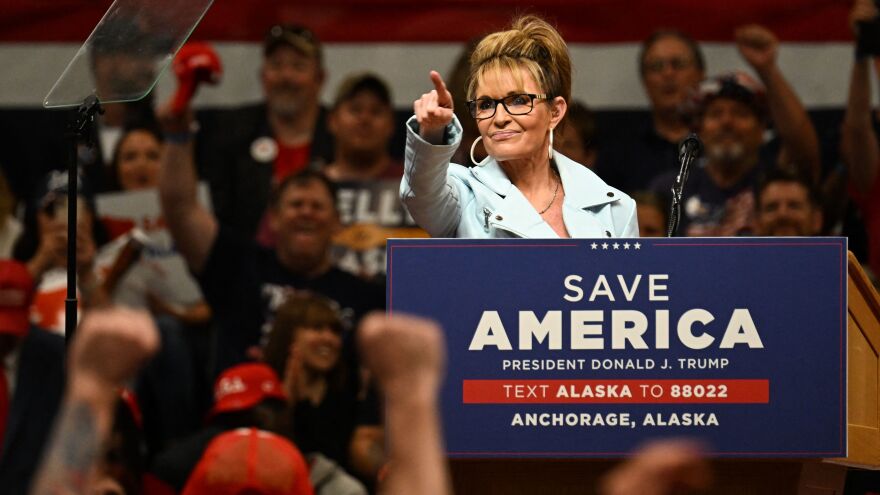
(402, 41)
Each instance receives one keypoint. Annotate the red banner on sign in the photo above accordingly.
(616, 391)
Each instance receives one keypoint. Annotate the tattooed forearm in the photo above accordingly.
(110, 347)
(71, 454)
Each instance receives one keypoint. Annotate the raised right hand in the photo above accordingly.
(434, 110)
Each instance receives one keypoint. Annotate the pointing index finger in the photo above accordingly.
(444, 98)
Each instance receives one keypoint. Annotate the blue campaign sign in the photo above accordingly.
(577, 348)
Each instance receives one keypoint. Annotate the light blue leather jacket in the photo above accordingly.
(449, 200)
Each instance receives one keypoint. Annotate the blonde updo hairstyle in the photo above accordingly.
(532, 44)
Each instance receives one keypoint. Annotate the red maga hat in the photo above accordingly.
(248, 460)
(244, 386)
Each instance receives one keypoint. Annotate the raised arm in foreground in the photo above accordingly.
(406, 355)
(110, 346)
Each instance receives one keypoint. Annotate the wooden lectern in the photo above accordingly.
(755, 476)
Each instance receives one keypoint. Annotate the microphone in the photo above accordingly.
(687, 152)
(691, 145)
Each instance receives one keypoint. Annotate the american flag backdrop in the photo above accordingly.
(402, 40)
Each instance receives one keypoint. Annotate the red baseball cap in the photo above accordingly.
(16, 293)
(251, 461)
(244, 386)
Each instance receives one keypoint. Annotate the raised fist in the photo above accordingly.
(110, 346)
(405, 354)
(758, 46)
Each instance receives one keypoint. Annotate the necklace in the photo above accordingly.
(553, 199)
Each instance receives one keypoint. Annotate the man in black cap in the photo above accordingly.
(244, 152)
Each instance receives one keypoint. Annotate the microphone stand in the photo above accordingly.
(690, 149)
(81, 129)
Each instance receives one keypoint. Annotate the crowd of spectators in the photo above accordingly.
(258, 281)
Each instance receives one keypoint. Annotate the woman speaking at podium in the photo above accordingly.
(519, 83)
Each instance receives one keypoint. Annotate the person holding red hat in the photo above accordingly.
(31, 380)
(245, 152)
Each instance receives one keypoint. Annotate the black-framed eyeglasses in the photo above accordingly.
(521, 104)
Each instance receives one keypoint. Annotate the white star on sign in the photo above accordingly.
(616, 245)
(594, 245)
(625, 245)
(604, 245)
(637, 245)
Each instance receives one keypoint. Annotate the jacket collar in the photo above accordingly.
(583, 190)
